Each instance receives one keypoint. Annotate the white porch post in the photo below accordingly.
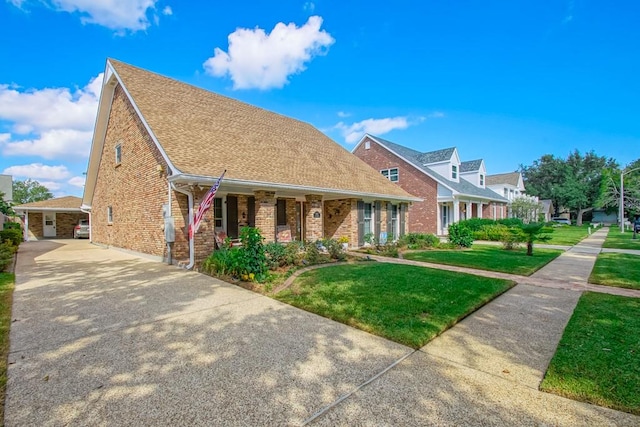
(468, 210)
(439, 219)
(26, 226)
(479, 209)
(456, 211)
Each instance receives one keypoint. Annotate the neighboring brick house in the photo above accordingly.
(53, 218)
(160, 144)
(450, 190)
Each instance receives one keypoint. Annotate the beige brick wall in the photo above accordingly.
(338, 219)
(67, 221)
(313, 221)
(266, 214)
(36, 230)
(135, 189)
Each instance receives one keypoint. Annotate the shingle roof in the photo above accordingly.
(414, 157)
(67, 202)
(470, 166)
(511, 178)
(436, 156)
(204, 133)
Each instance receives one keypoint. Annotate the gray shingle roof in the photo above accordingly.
(463, 187)
(470, 166)
(436, 156)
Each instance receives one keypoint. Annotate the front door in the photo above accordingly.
(232, 217)
(49, 226)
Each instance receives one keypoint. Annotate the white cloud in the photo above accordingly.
(119, 15)
(77, 181)
(309, 7)
(260, 60)
(38, 171)
(343, 114)
(167, 11)
(49, 123)
(352, 133)
(436, 115)
(51, 185)
(52, 144)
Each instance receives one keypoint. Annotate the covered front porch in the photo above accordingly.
(452, 210)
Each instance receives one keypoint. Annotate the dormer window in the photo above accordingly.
(391, 174)
(454, 172)
(481, 180)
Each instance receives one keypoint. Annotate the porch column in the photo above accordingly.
(468, 210)
(439, 229)
(456, 211)
(313, 218)
(26, 226)
(266, 214)
(480, 210)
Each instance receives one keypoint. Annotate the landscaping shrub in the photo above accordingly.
(492, 232)
(11, 226)
(7, 250)
(419, 241)
(223, 261)
(312, 253)
(334, 249)
(11, 235)
(460, 235)
(513, 238)
(253, 261)
(276, 255)
(476, 224)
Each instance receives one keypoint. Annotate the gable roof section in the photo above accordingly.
(61, 203)
(511, 178)
(202, 133)
(470, 166)
(436, 156)
(413, 157)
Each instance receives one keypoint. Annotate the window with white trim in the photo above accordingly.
(368, 222)
(118, 150)
(454, 172)
(217, 212)
(109, 215)
(391, 174)
(481, 180)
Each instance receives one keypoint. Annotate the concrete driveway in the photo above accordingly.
(100, 337)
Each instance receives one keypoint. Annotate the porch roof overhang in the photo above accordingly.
(21, 211)
(229, 185)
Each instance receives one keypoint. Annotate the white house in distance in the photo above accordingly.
(509, 185)
(6, 187)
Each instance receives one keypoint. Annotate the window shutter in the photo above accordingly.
(360, 223)
(378, 223)
(390, 233)
(402, 209)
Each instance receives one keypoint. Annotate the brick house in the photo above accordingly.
(53, 218)
(451, 190)
(159, 145)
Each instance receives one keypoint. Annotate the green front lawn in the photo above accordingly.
(616, 269)
(492, 258)
(569, 235)
(598, 358)
(6, 297)
(407, 304)
(618, 240)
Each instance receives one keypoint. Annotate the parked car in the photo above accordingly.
(81, 230)
(561, 220)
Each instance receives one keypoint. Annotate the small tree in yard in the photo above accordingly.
(525, 208)
(535, 232)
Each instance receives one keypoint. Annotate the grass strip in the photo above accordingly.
(407, 304)
(616, 269)
(597, 360)
(617, 240)
(491, 258)
(7, 283)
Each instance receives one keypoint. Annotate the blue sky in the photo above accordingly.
(506, 81)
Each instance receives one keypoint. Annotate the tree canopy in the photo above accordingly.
(28, 191)
(610, 189)
(573, 183)
(5, 207)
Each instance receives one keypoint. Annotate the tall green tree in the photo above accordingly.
(28, 191)
(573, 183)
(5, 207)
(610, 189)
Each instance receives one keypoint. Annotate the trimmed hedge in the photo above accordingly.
(11, 235)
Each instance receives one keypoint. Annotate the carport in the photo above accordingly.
(53, 218)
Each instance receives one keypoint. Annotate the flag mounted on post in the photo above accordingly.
(205, 204)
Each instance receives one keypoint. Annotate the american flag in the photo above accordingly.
(205, 204)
